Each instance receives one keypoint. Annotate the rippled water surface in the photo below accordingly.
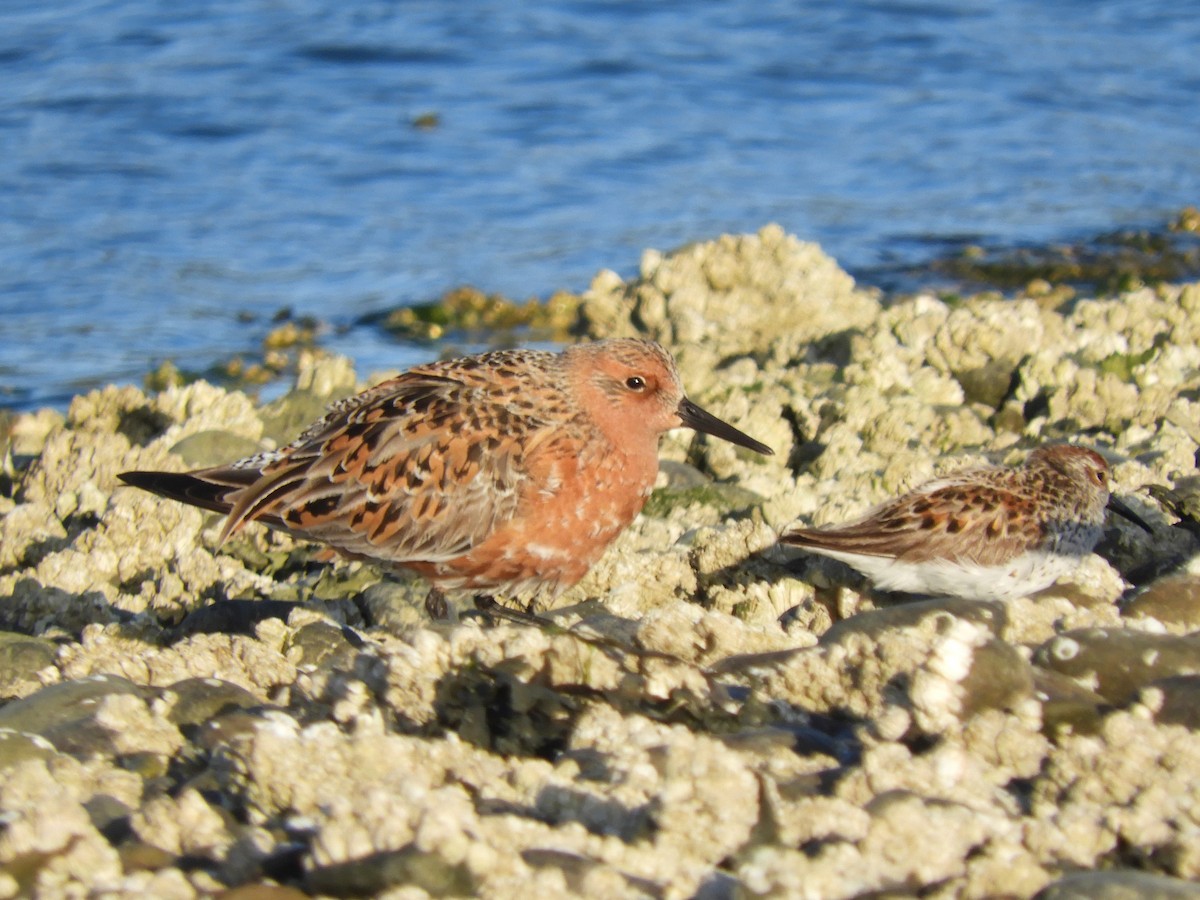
(174, 174)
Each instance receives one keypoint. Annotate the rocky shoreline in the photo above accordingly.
(712, 716)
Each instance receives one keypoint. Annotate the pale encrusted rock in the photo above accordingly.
(252, 664)
(27, 532)
(50, 845)
(1133, 782)
(708, 715)
(721, 299)
(182, 825)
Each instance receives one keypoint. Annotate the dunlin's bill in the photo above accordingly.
(986, 533)
(509, 472)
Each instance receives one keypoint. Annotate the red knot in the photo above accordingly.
(507, 472)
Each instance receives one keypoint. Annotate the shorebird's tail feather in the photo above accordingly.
(186, 487)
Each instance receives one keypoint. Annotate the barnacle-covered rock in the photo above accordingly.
(704, 714)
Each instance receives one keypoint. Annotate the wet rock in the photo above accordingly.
(724, 498)
(68, 714)
(382, 871)
(322, 643)
(137, 856)
(689, 720)
(83, 721)
(878, 622)
(1000, 678)
(21, 659)
(262, 892)
(491, 317)
(1119, 885)
(232, 726)
(1067, 706)
(16, 747)
(1174, 601)
(1174, 701)
(195, 701)
(1117, 663)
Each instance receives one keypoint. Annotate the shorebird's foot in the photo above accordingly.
(487, 605)
(436, 606)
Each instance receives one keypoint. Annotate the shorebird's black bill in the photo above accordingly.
(693, 416)
(1124, 511)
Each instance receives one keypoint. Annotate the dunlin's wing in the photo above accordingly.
(970, 522)
(419, 468)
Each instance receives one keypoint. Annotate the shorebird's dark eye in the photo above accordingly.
(635, 383)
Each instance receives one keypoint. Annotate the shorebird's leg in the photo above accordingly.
(487, 605)
(436, 605)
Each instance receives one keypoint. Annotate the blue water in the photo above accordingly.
(171, 175)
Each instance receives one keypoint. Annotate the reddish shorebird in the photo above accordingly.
(987, 533)
(506, 472)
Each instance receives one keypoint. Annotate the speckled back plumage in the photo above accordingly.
(408, 451)
(984, 533)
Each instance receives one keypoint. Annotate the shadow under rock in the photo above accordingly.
(377, 873)
(230, 617)
(575, 869)
(558, 805)
(493, 709)
(32, 606)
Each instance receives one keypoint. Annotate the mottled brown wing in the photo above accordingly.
(421, 467)
(983, 525)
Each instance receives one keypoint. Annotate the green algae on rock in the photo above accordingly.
(1108, 263)
(468, 310)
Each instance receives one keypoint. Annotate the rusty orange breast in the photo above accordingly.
(579, 497)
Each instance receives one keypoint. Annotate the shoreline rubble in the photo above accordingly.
(706, 722)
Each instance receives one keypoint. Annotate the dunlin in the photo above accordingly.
(506, 472)
(988, 533)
